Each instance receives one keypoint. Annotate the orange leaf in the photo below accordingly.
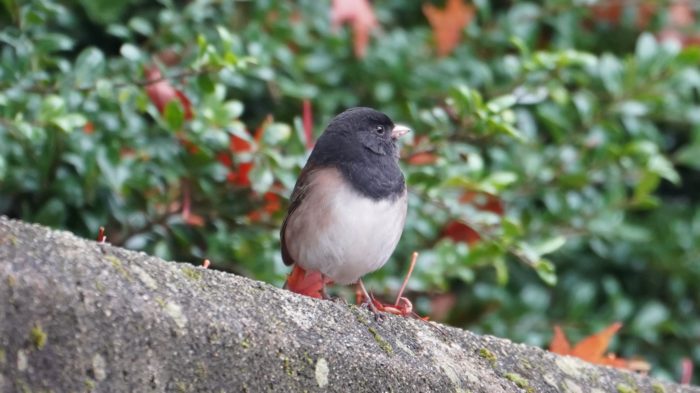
(560, 344)
(89, 128)
(360, 14)
(592, 348)
(423, 158)
(448, 23)
(194, 220)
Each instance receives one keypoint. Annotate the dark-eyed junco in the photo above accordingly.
(348, 207)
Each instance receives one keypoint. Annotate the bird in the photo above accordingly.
(348, 207)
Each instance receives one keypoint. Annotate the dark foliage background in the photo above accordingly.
(554, 170)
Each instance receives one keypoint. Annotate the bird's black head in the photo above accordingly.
(361, 143)
(370, 128)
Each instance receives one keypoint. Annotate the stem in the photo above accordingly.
(414, 258)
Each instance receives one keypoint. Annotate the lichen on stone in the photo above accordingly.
(383, 344)
(118, 265)
(658, 388)
(38, 337)
(321, 372)
(624, 388)
(519, 381)
(192, 273)
(488, 355)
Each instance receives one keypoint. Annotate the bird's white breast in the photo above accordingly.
(342, 233)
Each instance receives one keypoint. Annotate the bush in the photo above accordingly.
(553, 171)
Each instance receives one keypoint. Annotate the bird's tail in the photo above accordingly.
(305, 283)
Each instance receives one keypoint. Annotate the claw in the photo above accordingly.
(402, 306)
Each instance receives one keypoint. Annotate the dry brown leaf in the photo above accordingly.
(448, 23)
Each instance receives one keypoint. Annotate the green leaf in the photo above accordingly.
(664, 168)
(499, 104)
(131, 52)
(499, 264)
(141, 26)
(261, 179)
(511, 228)
(647, 47)
(644, 188)
(52, 213)
(52, 106)
(104, 88)
(234, 109)
(690, 156)
(12, 8)
(610, 70)
(277, 133)
(548, 246)
(69, 122)
(547, 272)
(174, 115)
(3, 168)
(54, 42)
(206, 84)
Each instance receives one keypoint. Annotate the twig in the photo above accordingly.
(414, 258)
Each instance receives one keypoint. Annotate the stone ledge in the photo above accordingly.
(77, 316)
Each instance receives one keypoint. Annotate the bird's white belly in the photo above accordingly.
(344, 234)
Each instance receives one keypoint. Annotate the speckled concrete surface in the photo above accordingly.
(79, 316)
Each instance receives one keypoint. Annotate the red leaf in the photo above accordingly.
(360, 14)
(270, 206)
(239, 144)
(681, 19)
(272, 202)
(460, 232)
(89, 128)
(611, 11)
(161, 92)
(308, 121)
(448, 23)
(483, 201)
(240, 176)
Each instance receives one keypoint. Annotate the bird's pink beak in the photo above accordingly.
(399, 131)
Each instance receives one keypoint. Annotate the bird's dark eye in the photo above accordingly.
(379, 130)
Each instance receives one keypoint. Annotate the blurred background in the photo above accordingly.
(553, 171)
